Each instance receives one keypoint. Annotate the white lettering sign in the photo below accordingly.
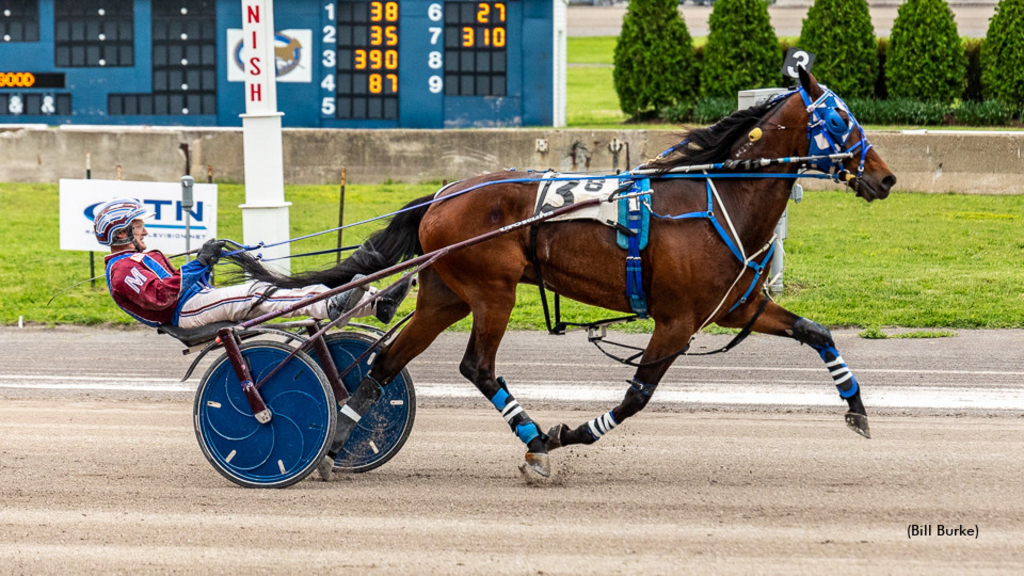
(258, 56)
(79, 200)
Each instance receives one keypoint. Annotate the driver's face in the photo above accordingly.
(140, 232)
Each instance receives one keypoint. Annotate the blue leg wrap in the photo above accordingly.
(841, 374)
(500, 400)
(514, 414)
(527, 432)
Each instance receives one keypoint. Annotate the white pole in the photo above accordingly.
(746, 99)
(559, 56)
(265, 213)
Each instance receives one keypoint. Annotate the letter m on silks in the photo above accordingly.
(136, 280)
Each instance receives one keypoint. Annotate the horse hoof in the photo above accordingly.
(539, 463)
(555, 437)
(858, 423)
(325, 468)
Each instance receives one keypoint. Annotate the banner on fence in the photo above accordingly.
(79, 200)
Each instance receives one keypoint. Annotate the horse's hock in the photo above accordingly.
(923, 160)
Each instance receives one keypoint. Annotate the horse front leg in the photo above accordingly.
(489, 322)
(778, 321)
(657, 358)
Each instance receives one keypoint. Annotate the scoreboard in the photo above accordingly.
(340, 63)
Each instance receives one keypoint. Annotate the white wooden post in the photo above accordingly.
(265, 213)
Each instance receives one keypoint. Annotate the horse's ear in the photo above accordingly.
(808, 82)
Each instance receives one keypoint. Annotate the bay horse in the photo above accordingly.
(689, 268)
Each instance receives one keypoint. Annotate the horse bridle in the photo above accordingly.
(828, 133)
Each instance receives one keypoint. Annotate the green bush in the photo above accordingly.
(840, 35)
(712, 109)
(678, 113)
(655, 65)
(1002, 55)
(985, 113)
(898, 111)
(742, 51)
(925, 60)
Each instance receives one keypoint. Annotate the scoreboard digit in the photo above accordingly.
(364, 64)
(367, 60)
(475, 49)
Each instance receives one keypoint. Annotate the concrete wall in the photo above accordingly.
(923, 161)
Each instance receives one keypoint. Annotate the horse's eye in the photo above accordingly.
(834, 123)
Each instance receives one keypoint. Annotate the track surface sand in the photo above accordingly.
(121, 486)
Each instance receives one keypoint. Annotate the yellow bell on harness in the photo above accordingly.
(755, 135)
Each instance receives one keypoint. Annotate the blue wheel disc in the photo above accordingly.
(382, 431)
(282, 451)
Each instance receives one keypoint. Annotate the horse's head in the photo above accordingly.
(832, 129)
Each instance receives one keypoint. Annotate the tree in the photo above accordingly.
(926, 59)
(1002, 55)
(840, 35)
(742, 51)
(654, 62)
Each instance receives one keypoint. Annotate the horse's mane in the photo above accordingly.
(713, 144)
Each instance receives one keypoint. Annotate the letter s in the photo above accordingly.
(254, 66)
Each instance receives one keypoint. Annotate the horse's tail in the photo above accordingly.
(384, 248)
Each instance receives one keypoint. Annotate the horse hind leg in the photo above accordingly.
(437, 308)
(656, 360)
(778, 321)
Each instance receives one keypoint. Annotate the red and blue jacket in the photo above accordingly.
(149, 289)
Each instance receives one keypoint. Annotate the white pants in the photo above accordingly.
(237, 304)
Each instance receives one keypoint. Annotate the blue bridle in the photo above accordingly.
(828, 132)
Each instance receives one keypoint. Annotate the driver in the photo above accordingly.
(149, 289)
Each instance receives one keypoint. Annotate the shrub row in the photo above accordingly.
(870, 111)
(972, 48)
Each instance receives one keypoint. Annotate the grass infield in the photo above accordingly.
(911, 261)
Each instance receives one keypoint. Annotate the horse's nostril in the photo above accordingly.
(888, 182)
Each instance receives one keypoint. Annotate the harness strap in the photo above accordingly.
(634, 263)
(630, 360)
(535, 262)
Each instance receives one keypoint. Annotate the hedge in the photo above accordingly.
(925, 59)
(739, 53)
(894, 111)
(654, 61)
(1002, 56)
(840, 34)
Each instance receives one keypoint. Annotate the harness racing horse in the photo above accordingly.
(691, 269)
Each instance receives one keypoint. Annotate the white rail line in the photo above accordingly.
(976, 395)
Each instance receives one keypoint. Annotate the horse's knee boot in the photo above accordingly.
(637, 397)
(520, 423)
(368, 392)
(812, 334)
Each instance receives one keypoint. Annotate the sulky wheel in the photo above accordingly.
(380, 433)
(282, 451)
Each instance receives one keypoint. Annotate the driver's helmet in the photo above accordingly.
(115, 216)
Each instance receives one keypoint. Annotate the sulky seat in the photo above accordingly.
(194, 336)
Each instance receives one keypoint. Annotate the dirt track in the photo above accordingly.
(112, 486)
